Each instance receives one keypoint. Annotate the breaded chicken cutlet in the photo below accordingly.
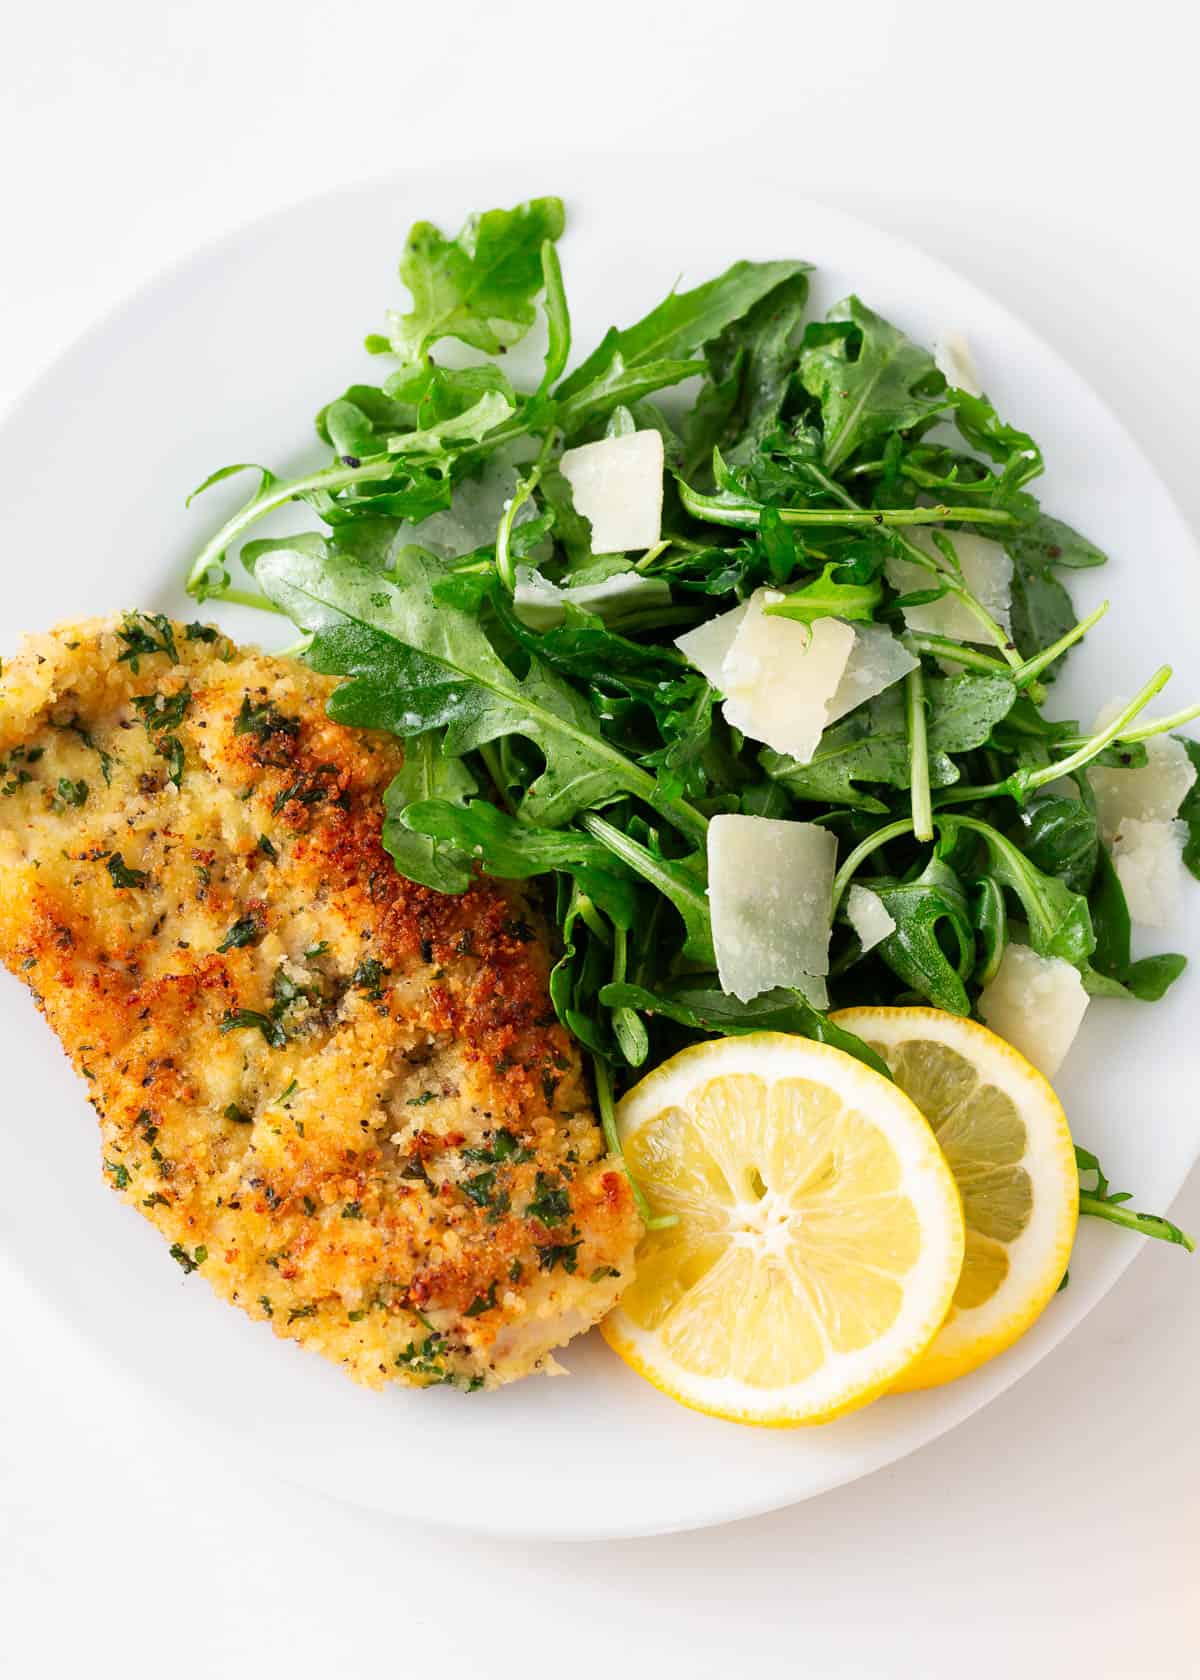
(342, 1098)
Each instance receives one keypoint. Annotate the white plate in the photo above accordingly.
(225, 359)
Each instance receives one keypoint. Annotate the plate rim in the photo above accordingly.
(589, 176)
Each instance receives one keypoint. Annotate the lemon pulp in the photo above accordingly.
(813, 1235)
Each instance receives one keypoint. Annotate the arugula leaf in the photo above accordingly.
(1041, 613)
(870, 744)
(617, 382)
(558, 321)
(584, 967)
(1103, 1203)
(684, 321)
(427, 774)
(555, 665)
(629, 1030)
(470, 426)
(378, 488)
(989, 917)
(683, 880)
(1040, 542)
(1110, 918)
(1059, 922)
(683, 763)
(1189, 810)
(1027, 737)
(572, 529)
(1060, 836)
(415, 664)
(582, 644)
(921, 908)
(418, 400)
(1111, 973)
(1151, 978)
(1041, 607)
(750, 366)
(698, 1002)
(828, 597)
(479, 286)
(515, 851)
(868, 377)
(982, 427)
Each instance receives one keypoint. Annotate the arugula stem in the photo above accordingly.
(918, 751)
(1159, 726)
(1149, 1224)
(297, 649)
(608, 1125)
(604, 1102)
(525, 487)
(1145, 731)
(335, 477)
(746, 517)
(996, 633)
(245, 598)
(592, 919)
(948, 575)
(1023, 782)
(1035, 666)
(962, 653)
(862, 852)
(984, 486)
(628, 1028)
(974, 659)
(965, 795)
(652, 554)
(620, 953)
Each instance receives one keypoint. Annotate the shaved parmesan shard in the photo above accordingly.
(1036, 1003)
(785, 682)
(707, 646)
(869, 917)
(877, 660)
(1149, 861)
(987, 572)
(953, 360)
(1151, 794)
(770, 889)
(779, 677)
(618, 485)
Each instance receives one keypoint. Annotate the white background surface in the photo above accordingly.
(1049, 153)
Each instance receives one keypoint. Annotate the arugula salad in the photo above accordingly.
(740, 637)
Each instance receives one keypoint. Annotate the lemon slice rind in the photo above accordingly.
(1038, 1257)
(843, 1380)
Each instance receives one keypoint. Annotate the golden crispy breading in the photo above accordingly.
(342, 1097)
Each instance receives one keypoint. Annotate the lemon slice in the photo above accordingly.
(1006, 1140)
(819, 1236)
